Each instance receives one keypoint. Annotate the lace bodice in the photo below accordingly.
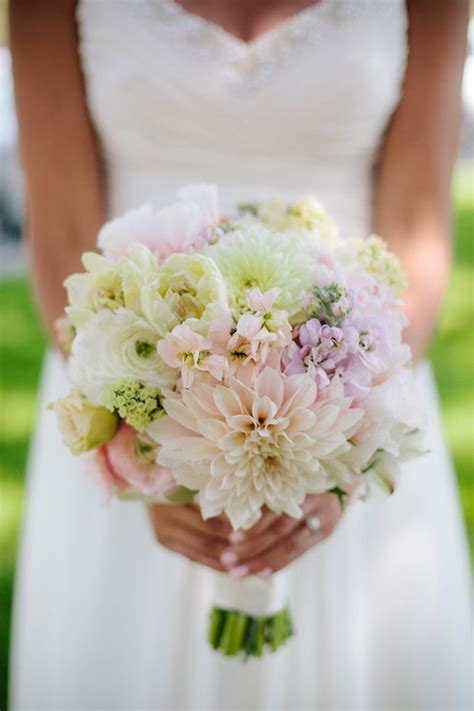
(176, 99)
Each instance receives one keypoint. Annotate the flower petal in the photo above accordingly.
(227, 402)
(270, 383)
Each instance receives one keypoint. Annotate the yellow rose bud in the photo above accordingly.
(83, 426)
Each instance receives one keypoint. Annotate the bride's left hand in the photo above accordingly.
(275, 541)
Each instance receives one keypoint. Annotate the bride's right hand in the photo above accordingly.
(182, 529)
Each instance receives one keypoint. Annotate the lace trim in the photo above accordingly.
(248, 65)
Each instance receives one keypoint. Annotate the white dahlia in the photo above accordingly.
(243, 448)
(256, 257)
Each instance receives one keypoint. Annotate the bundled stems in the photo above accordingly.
(234, 633)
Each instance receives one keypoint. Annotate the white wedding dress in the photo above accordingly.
(107, 619)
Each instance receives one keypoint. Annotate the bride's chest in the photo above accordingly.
(156, 75)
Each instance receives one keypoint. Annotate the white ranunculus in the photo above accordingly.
(117, 345)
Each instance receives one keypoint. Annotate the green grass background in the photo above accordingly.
(22, 344)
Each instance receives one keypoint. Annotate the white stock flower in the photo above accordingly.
(113, 346)
(391, 431)
(305, 214)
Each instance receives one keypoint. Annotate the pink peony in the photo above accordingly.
(122, 466)
(172, 229)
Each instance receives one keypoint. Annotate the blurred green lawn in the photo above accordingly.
(22, 344)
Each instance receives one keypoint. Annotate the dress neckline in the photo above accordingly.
(262, 38)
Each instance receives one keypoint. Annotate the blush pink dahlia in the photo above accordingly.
(246, 447)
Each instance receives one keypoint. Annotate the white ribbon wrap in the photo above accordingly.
(254, 596)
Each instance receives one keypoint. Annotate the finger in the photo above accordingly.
(249, 548)
(190, 515)
(192, 544)
(281, 527)
(267, 519)
(218, 526)
(282, 554)
(194, 555)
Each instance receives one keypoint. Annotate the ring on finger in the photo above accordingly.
(313, 524)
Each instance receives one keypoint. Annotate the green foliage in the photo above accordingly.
(22, 344)
(21, 348)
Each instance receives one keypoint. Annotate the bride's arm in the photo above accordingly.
(63, 175)
(66, 199)
(412, 211)
(412, 198)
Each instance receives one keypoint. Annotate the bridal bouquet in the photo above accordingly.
(238, 362)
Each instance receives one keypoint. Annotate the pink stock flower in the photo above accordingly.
(319, 350)
(127, 463)
(262, 329)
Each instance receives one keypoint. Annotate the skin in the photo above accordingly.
(66, 207)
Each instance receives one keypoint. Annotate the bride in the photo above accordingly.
(121, 102)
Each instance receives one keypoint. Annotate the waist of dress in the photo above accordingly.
(345, 189)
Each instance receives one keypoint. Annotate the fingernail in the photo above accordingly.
(239, 571)
(228, 558)
(237, 537)
(265, 573)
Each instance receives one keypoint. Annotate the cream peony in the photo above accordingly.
(246, 447)
(109, 285)
(99, 287)
(113, 346)
(83, 426)
(193, 288)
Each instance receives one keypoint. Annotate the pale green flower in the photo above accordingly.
(134, 402)
(83, 426)
(374, 256)
(256, 257)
